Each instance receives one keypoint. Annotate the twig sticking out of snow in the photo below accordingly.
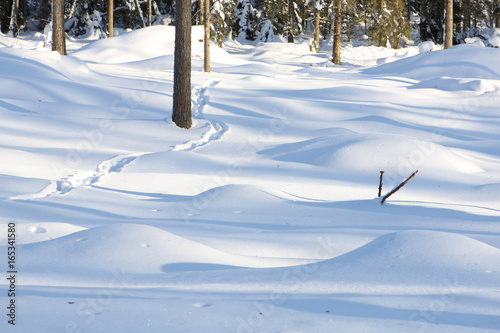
(397, 188)
(380, 183)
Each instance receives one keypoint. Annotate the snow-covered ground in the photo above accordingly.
(264, 216)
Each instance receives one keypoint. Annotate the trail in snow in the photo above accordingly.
(82, 178)
(215, 130)
(64, 185)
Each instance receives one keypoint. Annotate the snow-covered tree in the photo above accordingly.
(246, 19)
(391, 25)
(222, 19)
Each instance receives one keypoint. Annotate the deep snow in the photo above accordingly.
(263, 217)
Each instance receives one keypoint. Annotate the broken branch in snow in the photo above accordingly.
(380, 183)
(397, 188)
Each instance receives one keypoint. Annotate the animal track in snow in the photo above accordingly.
(82, 178)
(215, 130)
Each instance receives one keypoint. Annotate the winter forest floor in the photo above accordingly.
(264, 216)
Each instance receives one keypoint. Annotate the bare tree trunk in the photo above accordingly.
(291, 13)
(201, 15)
(110, 18)
(58, 33)
(460, 27)
(316, 30)
(181, 114)
(448, 40)
(466, 10)
(336, 32)
(150, 11)
(207, 36)
(13, 26)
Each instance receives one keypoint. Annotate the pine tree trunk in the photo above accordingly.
(207, 36)
(336, 32)
(381, 15)
(110, 18)
(291, 13)
(13, 26)
(58, 33)
(181, 114)
(201, 16)
(460, 27)
(150, 18)
(448, 41)
(423, 18)
(316, 30)
(466, 10)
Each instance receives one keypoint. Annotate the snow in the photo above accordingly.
(264, 216)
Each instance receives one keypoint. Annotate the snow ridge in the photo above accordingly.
(215, 129)
(82, 178)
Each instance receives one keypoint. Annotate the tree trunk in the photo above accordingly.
(316, 30)
(181, 114)
(291, 13)
(150, 18)
(336, 32)
(423, 18)
(466, 10)
(58, 33)
(110, 18)
(13, 26)
(448, 41)
(207, 36)
(201, 15)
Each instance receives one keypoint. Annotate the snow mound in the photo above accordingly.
(131, 248)
(460, 61)
(418, 256)
(17, 63)
(372, 153)
(136, 46)
(38, 232)
(426, 47)
(450, 84)
(368, 56)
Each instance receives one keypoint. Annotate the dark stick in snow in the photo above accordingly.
(380, 183)
(397, 188)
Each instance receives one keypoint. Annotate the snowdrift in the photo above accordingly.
(455, 69)
(136, 46)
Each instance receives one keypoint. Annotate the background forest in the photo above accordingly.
(392, 23)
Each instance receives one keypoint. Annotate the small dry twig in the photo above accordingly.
(380, 184)
(397, 188)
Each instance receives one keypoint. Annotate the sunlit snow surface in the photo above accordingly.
(263, 217)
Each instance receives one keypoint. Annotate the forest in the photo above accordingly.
(390, 23)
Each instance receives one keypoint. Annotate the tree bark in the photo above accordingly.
(110, 18)
(201, 15)
(291, 13)
(14, 26)
(448, 40)
(58, 33)
(467, 13)
(316, 30)
(181, 114)
(150, 18)
(336, 32)
(207, 36)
